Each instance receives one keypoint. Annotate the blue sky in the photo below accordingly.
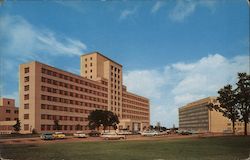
(172, 52)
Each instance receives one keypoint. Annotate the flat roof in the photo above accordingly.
(191, 104)
(102, 56)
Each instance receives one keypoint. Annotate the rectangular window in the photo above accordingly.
(26, 106)
(7, 119)
(8, 111)
(26, 88)
(26, 70)
(26, 96)
(26, 79)
(26, 116)
(16, 111)
(26, 127)
(42, 127)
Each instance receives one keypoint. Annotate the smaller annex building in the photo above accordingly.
(196, 116)
(8, 115)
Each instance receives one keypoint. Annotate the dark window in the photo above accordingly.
(26, 70)
(26, 96)
(8, 111)
(26, 116)
(26, 88)
(26, 79)
(26, 106)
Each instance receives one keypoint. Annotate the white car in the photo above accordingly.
(124, 132)
(149, 133)
(80, 134)
(108, 136)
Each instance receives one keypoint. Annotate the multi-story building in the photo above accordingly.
(48, 94)
(8, 115)
(199, 117)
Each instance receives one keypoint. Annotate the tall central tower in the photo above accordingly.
(96, 66)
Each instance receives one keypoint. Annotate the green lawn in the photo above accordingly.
(217, 148)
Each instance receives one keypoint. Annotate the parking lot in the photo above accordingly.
(89, 139)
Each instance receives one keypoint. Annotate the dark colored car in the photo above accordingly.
(94, 134)
(47, 136)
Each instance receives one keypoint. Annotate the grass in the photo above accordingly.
(216, 148)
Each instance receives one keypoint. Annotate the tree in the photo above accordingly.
(243, 98)
(96, 119)
(104, 118)
(228, 104)
(57, 125)
(110, 120)
(17, 126)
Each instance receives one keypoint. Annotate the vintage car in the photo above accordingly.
(59, 135)
(80, 134)
(150, 133)
(47, 136)
(113, 135)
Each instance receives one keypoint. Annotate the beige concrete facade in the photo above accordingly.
(198, 117)
(48, 93)
(8, 115)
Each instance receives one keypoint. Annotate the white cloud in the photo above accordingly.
(126, 13)
(180, 83)
(184, 8)
(21, 42)
(144, 82)
(157, 6)
(21, 37)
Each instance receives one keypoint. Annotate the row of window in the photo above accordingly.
(134, 102)
(63, 127)
(115, 69)
(9, 111)
(135, 98)
(114, 86)
(67, 101)
(204, 121)
(70, 86)
(134, 117)
(69, 78)
(62, 118)
(70, 109)
(134, 112)
(135, 107)
(76, 95)
(9, 119)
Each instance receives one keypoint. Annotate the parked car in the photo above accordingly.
(184, 132)
(124, 132)
(59, 135)
(94, 134)
(108, 136)
(163, 132)
(149, 133)
(80, 134)
(47, 136)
